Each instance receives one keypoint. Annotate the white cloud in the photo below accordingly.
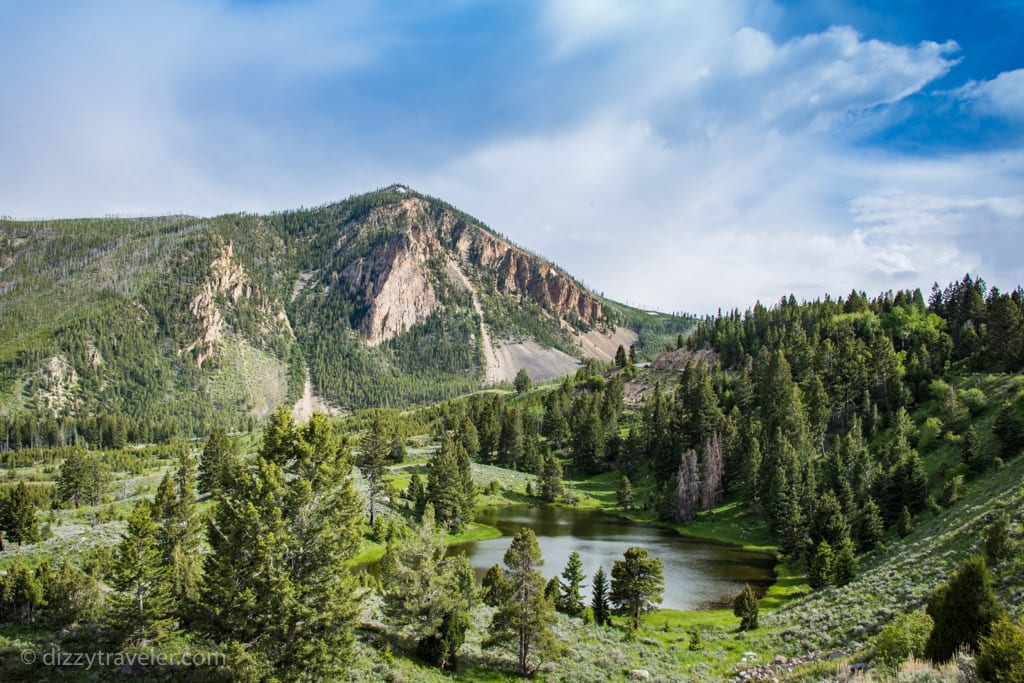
(1001, 96)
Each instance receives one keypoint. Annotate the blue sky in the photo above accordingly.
(681, 155)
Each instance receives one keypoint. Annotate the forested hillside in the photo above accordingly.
(170, 325)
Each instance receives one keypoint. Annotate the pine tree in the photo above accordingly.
(179, 534)
(469, 437)
(905, 525)
(21, 593)
(625, 493)
(427, 595)
(374, 450)
(620, 357)
(550, 486)
(599, 598)
(416, 493)
(217, 456)
(494, 587)
(745, 607)
(638, 583)
(143, 610)
(82, 479)
(821, 566)
(870, 526)
(970, 450)
(524, 618)
(446, 485)
(510, 441)
(283, 534)
(522, 381)
(963, 610)
(570, 599)
(998, 544)
(18, 516)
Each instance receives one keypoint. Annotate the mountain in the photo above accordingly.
(386, 298)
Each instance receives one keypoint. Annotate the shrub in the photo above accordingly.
(974, 399)
(1001, 655)
(904, 636)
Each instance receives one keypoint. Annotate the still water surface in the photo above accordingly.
(698, 574)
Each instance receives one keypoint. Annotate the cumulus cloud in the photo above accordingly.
(1001, 96)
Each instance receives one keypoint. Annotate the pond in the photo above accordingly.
(698, 574)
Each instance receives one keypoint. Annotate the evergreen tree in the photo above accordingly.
(469, 437)
(143, 610)
(494, 587)
(374, 451)
(620, 357)
(1008, 429)
(427, 595)
(446, 485)
(745, 607)
(510, 441)
(570, 599)
(216, 459)
(845, 566)
(550, 486)
(599, 598)
(18, 516)
(82, 479)
(870, 526)
(21, 593)
(998, 545)
(905, 525)
(179, 534)
(588, 441)
(524, 618)
(416, 493)
(963, 610)
(283, 534)
(638, 583)
(1001, 655)
(970, 450)
(625, 493)
(555, 425)
(821, 566)
(522, 381)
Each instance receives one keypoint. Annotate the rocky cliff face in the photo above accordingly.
(398, 280)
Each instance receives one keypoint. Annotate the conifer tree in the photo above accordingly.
(599, 598)
(494, 587)
(638, 583)
(625, 493)
(510, 440)
(570, 598)
(963, 610)
(870, 526)
(522, 381)
(143, 610)
(217, 456)
(21, 593)
(525, 616)
(447, 485)
(179, 534)
(282, 537)
(620, 357)
(550, 486)
(745, 607)
(427, 595)
(18, 516)
(821, 566)
(998, 544)
(416, 493)
(374, 451)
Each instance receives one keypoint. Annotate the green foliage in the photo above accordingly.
(821, 566)
(998, 544)
(450, 487)
(21, 593)
(637, 586)
(745, 607)
(550, 486)
(217, 461)
(427, 596)
(625, 495)
(570, 597)
(83, 478)
(525, 616)
(904, 636)
(599, 602)
(1001, 653)
(494, 588)
(522, 381)
(18, 522)
(282, 537)
(963, 610)
(143, 609)
(374, 449)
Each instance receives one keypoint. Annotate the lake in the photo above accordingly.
(698, 574)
